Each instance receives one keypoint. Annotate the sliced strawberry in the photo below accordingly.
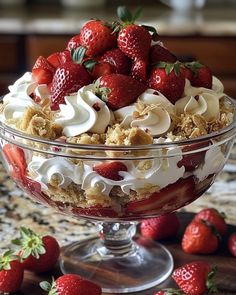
(96, 211)
(192, 161)
(171, 197)
(120, 62)
(59, 58)
(43, 71)
(120, 90)
(16, 159)
(160, 53)
(110, 170)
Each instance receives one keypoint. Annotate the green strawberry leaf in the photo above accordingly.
(6, 258)
(124, 14)
(50, 288)
(89, 64)
(194, 66)
(137, 14)
(210, 283)
(29, 243)
(78, 54)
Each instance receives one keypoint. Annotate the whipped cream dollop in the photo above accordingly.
(83, 112)
(58, 169)
(151, 112)
(18, 99)
(201, 101)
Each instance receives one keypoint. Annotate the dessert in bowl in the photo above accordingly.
(116, 129)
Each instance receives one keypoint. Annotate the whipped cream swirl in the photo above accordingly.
(201, 101)
(83, 112)
(18, 99)
(152, 111)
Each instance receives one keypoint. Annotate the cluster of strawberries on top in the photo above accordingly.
(117, 54)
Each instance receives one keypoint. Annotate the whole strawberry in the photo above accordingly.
(160, 53)
(200, 237)
(74, 43)
(214, 217)
(169, 79)
(69, 78)
(232, 244)
(38, 254)
(58, 58)
(195, 278)
(11, 273)
(134, 41)
(161, 227)
(119, 90)
(97, 37)
(119, 61)
(71, 284)
(202, 75)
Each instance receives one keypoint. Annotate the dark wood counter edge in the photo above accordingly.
(225, 278)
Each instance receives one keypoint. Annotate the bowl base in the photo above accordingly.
(148, 265)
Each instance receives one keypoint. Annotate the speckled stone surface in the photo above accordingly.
(17, 210)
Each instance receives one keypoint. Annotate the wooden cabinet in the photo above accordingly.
(18, 54)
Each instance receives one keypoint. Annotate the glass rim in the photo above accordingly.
(103, 147)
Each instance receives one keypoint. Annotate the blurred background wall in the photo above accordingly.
(192, 29)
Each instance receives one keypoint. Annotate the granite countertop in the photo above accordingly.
(41, 19)
(17, 210)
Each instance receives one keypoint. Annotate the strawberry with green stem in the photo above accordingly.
(201, 74)
(118, 90)
(37, 253)
(69, 78)
(134, 41)
(169, 79)
(11, 273)
(195, 278)
(71, 284)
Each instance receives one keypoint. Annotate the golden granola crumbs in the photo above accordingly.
(87, 138)
(224, 120)
(38, 123)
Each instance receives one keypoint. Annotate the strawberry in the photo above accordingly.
(173, 196)
(74, 43)
(58, 58)
(200, 237)
(111, 89)
(188, 74)
(160, 53)
(38, 254)
(15, 157)
(71, 284)
(202, 75)
(11, 273)
(193, 160)
(43, 71)
(110, 170)
(134, 41)
(69, 78)
(97, 37)
(120, 62)
(195, 278)
(97, 211)
(160, 227)
(232, 244)
(169, 79)
(101, 69)
(214, 217)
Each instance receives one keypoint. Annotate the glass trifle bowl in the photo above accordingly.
(115, 129)
(153, 179)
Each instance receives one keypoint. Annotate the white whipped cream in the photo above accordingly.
(207, 104)
(83, 112)
(156, 118)
(44, 170)
(18, 99)
(214, 162)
